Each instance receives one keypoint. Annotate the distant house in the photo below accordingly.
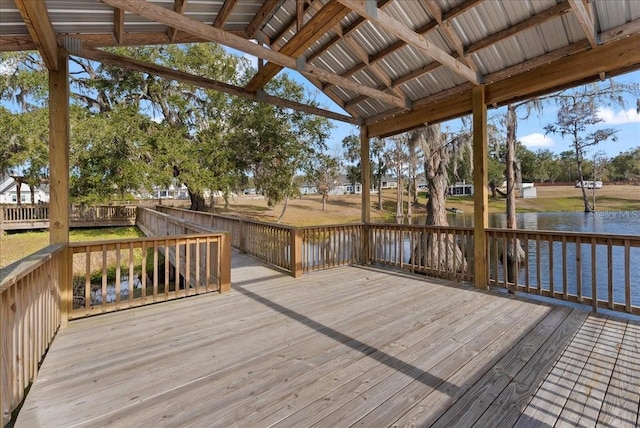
(9, 192)
(461, 189)
(173, 191)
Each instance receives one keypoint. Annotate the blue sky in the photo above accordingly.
(530, 131)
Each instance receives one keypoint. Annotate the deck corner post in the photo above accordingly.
(366, 259)
(225, 263)
(295, 252)
(480, 184)
(59, 151)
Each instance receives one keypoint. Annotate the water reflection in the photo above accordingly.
(578, 272)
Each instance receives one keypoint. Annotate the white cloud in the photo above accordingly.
(618, 118)
(537, 140)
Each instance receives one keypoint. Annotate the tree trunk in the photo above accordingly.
(197, 202)
(284, 208)
(510, 166)
(585, 198)
(511, 256)
(379, 193)
(324, 201)
(33, 195)
(438, 251)
(399, 208)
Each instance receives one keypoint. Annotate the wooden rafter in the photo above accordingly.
(397, 28)
(159, 14)
(36, 18)
(178, 7)
(575, 69)
(118, 25)
(299, 14)
(449, 34)
(263, 14)
(550, 13)
(345, 32)
(224, 13)
(461, 8)
(535, 20)
(584, 18)
(168, 73)
(363, 56)
(322, 21)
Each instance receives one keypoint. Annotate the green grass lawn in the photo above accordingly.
(14, 246)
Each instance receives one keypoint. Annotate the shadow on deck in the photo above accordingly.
(340, 347)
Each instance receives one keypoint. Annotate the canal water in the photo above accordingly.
(579, 269)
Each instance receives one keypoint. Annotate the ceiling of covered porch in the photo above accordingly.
(391, 65)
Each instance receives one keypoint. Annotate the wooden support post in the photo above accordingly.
(480, 186)
(225, 263)
(365, 179)
(59, 174)
(295, 252)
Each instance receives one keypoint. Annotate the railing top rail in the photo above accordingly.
(146, 239)
(419, 226)
(324, 226)
(17, 270)
(588, 235)
(227, 217)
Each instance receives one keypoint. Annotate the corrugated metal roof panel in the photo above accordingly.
(412, 13)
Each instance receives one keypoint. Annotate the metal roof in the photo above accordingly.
(494, 38)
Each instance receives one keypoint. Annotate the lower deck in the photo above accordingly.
(336, 348)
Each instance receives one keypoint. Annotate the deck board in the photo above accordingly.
(342, 347)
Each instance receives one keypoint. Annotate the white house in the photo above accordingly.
(9, 193)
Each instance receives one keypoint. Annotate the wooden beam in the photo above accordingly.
(345, 32)
(224, 13)
(584, 18)
(159, 14)
(620, 31)
(178, 7)
(398, 29)
(25, 43)
(522, 83)
(167, 73)
(537, 19)
(449, 34)
(323, 21)
(118, 25)
(59, 150)
(480, 189)
(263, 14)
(36, 18)
(299, 14)
(460, 8)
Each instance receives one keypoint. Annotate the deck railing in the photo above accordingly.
(593, 269)
(30, 314)
(441, 252)
(15, 217)
(325, 247)
(273, 243)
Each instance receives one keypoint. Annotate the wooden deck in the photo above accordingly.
(336, 348)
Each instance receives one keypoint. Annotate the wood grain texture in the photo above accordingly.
(337, 347)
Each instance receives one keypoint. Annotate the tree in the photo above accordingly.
(574, 117)
(324, 172)
(396, 156)
(438, 250)
(625, 166)
(274, 143)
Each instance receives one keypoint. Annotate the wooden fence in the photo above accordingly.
(593, 269)
(30, 315)
(441, 252)
(22, 217)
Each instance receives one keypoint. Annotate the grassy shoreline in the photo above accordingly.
(307, 211)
